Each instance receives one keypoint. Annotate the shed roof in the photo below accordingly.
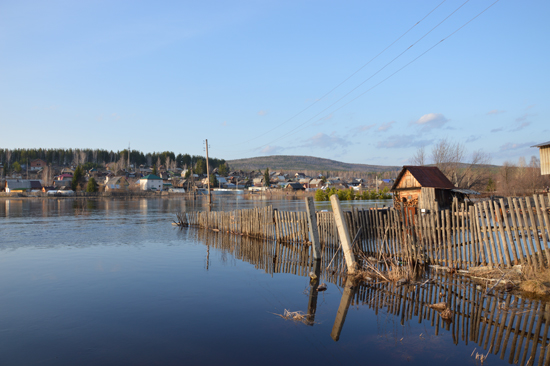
(427, 176)
(542, 145)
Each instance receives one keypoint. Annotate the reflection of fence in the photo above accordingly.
(511, 327)
(497, 233)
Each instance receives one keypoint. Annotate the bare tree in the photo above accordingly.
(83, 156)
(8, 157)
(47, 175)
(419, 158)
(450, 158)
(507, 178)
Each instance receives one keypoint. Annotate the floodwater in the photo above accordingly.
(112, 282)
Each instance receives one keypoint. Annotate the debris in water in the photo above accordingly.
(296, 316)
(440, 306)
(312, 275)
(447, 314)
(322, 287)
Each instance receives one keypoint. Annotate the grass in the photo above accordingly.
(536, 282)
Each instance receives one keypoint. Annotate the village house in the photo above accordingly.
(294, 186)
(305, 182)
(22, 185)
(151, 182)
(37, 164)
(116, 184)
(315, 183)
(425, 188)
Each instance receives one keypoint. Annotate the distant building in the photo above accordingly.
(425, 188)
(151, 182)
(294, 186)
(544, 151)
(20, 185)
(37, 164)
(116, 183)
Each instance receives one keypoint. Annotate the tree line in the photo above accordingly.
(101, 157)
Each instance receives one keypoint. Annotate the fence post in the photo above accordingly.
(343, 233)
(313, 232)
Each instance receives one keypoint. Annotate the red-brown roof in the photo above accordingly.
(427, 176)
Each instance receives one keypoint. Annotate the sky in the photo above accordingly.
(365, 82)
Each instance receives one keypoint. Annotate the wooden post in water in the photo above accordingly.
(343, 233)
(313, 232)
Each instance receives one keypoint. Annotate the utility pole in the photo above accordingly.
(129, 155)
(208, 174)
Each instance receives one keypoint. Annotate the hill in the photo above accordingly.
(296, 163)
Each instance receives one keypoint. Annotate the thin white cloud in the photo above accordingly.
(386, 126)
(515, 146)
(271, 149)
(431, 121)
(262, 112)
(495, 111)
(473, 138)
(402, 141)
(224, 123)
(522, 118)
(362, 128)
(324, 141)
(522, 126)
(497, 129)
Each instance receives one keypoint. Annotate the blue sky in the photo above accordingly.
(356, 81)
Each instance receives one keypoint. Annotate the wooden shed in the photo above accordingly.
(425, 187)
(544, 151)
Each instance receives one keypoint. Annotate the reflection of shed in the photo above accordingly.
(425, 187)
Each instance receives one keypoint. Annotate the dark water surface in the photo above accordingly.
(113, 283)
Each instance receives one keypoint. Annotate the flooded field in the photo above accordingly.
(112, 282)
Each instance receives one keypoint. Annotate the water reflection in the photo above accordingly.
(505, 325)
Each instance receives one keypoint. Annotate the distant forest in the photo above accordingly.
(65, 157)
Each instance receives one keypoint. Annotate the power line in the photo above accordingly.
(346, 79)
(416, 58)
(379, 70)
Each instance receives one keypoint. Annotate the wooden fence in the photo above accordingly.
(499, 233)
(510, 327)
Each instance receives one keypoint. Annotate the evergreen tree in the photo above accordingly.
(224, 169)
(200, 167)
(77, 177)
(154, 170)
(92, 185)
(214, 181)
(266, 177)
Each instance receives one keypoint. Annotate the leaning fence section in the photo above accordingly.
(498, 233)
